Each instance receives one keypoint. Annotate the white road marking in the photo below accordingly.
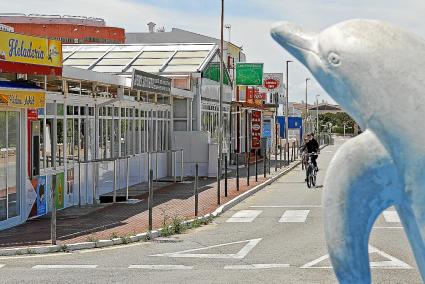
(257, 266)
(35, 256)
(244, 216)
(391, 217)
(64, 266)
(287, 206)
(391, 263)
(239, 255)
(294, 216)
(2, 265)
(161, 267)
(388, 228)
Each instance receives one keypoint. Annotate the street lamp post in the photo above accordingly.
(306, 97)
(220, 117)
(317, 114)
(287, 108)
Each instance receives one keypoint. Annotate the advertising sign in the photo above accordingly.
(249, 74)
(59, 190)
(273, 83)
(256, 129)
(41, 196)
(35, 51)
(148, 82)
(22, 99)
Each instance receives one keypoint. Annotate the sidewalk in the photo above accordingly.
(107, 221)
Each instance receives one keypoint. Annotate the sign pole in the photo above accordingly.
(287, 106)
(220, 116)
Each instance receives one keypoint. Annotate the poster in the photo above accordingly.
(59, 190)
(41, 196)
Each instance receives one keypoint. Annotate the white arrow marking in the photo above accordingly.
(239, 255)
(391, 263)
(2, 265)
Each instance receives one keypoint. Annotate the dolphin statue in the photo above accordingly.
(376, 72)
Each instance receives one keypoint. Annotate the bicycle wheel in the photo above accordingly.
(309, 176)
(313, 177)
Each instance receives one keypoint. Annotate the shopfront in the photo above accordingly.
(20, 100)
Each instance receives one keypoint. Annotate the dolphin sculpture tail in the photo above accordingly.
(361, 182)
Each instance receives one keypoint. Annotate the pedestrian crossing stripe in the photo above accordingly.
(391, 217)
(294, 216)
(392, 262)
(244, 216)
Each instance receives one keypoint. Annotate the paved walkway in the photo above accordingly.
(106, 221)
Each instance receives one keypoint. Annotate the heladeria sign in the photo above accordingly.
(148, 82)
(28, 54)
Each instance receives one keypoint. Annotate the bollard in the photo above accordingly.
(114, 197)
(79, 182)
(225, 175)
(96, 174)
(237, 171)
(280, 156)
(265, 163)
(270, 160)
(196, 190)
(150, 197)
(275, 158)
(156, 166)
(128, 177)
(181, 167)
(53, 216)
(256, 165)
(247, 169)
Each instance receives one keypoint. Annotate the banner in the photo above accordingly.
(256, 129)
(249, 74)
(18, 48)
(148, 82)
(22, 99)
(59, 190)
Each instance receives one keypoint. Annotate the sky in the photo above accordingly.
(250, 20)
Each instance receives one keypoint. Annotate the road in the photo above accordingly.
(275, 236)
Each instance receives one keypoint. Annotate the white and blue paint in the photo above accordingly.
(376, 72)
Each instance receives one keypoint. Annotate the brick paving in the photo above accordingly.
(123, 219)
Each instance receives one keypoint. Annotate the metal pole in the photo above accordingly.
(114, 197)
(270, 160)
(256, 165)
(196, 190)
(220, 116)
(276, 133)
(181, 166)
(317, 114)
(225, 175)
(280, 156)
(237, 171)
(173, 157)
(265, 162)
(247, 169)
(306, 105)
(53, 216)
(156, 166)
(287, 106)
(79, 182)
(150, 198)
(128, 177)
(96, 173)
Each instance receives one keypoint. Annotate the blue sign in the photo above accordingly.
(294, 123)
(41, 196)
(267, 131)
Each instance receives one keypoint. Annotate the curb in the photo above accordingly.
(143, 236)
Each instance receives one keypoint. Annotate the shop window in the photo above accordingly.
(50, 109)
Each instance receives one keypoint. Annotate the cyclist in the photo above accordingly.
(312, 146)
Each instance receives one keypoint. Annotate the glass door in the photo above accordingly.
(9, 164)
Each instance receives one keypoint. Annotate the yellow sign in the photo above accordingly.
(23, 99)
(20, 48)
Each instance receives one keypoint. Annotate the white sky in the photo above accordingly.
(250, 19)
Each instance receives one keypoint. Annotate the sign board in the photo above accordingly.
(256, 129)
(28, 54)
(22, 99)
(273, 84)
(249, 74)
(212, 72)
(59, 190)
(148, 82)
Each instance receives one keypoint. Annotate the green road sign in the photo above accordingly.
(212, 72)
(249, 74)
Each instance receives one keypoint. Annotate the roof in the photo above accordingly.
(326, 107)
(175, 36)
(153, 58)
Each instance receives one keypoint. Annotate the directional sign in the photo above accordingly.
(239, 255)
(392, 262)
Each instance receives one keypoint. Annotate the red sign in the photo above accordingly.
(32, 114)
(256, 129)
(271, 84)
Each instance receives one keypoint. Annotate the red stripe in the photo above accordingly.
(32, 69)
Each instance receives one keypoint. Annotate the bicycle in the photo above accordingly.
(310, 170)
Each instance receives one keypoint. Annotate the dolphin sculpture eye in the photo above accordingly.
(334, 59)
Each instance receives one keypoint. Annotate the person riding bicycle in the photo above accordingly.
(312, 146)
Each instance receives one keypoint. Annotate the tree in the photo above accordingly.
(338, 120)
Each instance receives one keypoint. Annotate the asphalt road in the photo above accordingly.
(275, 236)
